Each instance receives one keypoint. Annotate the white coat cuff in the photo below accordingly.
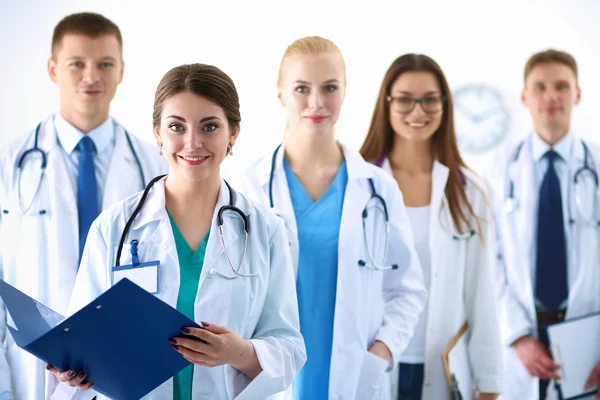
(269, 378)
(515, 326)
(517, 335)
(61, 391)
(489, 383)
(381, 336)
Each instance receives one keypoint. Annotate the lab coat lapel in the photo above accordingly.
(282, 201)
(358, 193)
(521, 224)
(524, 220)
(63, 242)
(56, 170)
(153, 216)
(437, 221)
(123, 172)
(439, 179)
(584, 181)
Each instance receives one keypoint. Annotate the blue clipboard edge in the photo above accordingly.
(580, 396)
(558, 387)
(566, 321)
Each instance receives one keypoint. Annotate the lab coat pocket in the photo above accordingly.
(371, 376)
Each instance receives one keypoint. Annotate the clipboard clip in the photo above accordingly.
(135, 260)
(455, 393)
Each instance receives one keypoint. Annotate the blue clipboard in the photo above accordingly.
(121, 339)
(574, 344)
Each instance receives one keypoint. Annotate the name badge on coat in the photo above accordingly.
(145, 275)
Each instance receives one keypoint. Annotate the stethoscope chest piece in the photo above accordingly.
(511, 205)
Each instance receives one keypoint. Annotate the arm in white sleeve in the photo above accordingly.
(481, 303)
(277, 340)
(514, 320)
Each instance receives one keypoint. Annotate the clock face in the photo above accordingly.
(480, 118)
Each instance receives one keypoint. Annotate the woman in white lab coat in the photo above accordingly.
(412, 137)
(356, 313)
(254, 347)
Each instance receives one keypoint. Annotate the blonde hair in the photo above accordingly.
(309, 45)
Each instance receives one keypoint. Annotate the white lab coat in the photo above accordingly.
(370, 305)
(39, 253)
(261, 309)
(462, 288)
(516, 245)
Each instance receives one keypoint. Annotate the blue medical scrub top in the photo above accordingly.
(318, 236)
(190, 267)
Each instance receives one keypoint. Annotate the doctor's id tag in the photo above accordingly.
(144, 274)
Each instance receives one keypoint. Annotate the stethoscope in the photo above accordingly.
(377, 203)
(222, 210)
(455, 234)
(511, 203)
(36, 149)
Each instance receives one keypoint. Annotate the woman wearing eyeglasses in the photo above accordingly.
(412, 136)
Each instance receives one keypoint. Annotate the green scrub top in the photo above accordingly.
(190, 266)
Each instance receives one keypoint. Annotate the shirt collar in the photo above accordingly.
(69, 136)
(563, 147)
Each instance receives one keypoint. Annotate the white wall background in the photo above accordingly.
(474, 42)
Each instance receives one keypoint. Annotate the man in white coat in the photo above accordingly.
(548, 255)
(82, 162)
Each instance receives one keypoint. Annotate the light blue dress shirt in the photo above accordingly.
(564, 148)
(104, 140)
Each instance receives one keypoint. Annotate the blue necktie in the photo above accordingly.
(551, 271)
(87, 191)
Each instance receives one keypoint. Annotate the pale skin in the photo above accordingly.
(313, 90)
(194, 134)
(87, 72)
(411, 157)
(594, 378)
(550, 93)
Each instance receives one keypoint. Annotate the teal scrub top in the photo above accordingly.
(318, 225)
(190, 266)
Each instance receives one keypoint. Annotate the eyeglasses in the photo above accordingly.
(405, 104)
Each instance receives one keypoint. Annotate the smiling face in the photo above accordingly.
(411, 121)
(87, 71)
(313, 90)
(195, 135)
